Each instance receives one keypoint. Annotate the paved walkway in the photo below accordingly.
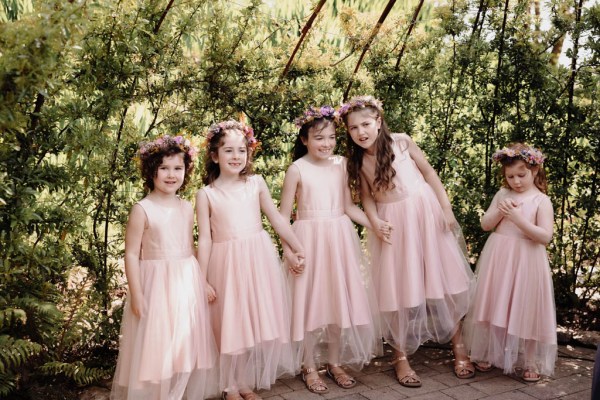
(572, 381)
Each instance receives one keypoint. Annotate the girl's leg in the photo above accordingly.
(334, 368)
(463, 368)
(310, 374)
(404, 373)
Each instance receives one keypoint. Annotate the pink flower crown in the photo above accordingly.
(530, 155)
(165, 142)
(313, 113)
(358, 103)
(248, 132)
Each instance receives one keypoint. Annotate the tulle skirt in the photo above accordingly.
(512, 322)
(171, 348)
(250, 317)
(423, 281)
(333, 302)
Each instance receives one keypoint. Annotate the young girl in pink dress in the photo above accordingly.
(166, 338)
(422, 280)
(251, 315)
(332, 293)
(512, 322)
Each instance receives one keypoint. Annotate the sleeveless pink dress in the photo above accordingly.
(333, 298)
(171, 347)
(512, 322)
(422, 280)
(250, 317)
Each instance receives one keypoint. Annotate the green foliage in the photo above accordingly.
(81, 83)
(78, 372)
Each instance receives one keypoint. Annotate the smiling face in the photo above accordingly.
(519, 177)
(321, 141)
(170, 174)
(232, 155)
(363, 127)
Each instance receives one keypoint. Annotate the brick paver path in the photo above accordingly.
(572, 381)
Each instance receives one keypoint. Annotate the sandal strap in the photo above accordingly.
(315, 385)
(340, 378)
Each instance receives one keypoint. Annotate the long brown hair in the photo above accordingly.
(384, 153)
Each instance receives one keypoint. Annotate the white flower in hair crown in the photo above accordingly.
(530, 155)
(358, 103)
(313, 113)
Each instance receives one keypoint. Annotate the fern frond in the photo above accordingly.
(10, 316)
(15, 352)
(8, 383)
(77, 371)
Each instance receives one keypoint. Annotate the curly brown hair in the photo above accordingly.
(384, 172)
(211, 168)
(150, 162)
(540, 180)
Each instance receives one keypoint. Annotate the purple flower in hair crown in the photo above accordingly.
(313, 113)
(358, 103)
(165, 142)
(530, 155)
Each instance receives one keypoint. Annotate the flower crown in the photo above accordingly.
(165, 142)
(248, 132)
(313, 113)
(530, 155)
(358, 103)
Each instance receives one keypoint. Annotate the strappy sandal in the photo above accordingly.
(250, 396)
(483, 366)
(342, 379)
(411, 379)
(463, 369)
(314, 385)
(530, 374)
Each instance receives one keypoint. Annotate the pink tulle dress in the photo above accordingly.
(423, 281)
(170, 352)
(333, 299)
(250, 318)
(512, 322)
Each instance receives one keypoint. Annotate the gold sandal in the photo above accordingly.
(463, 369)
(250, 396)
(342, 379)
(314, 384)
(411, 379)
(533, 375)
(483, 366)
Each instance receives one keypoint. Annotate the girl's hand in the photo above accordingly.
(138, 308)
(383, 230)
(211, 294)
(510, 209)
(450, 220)
(295, 262)
(504, 206)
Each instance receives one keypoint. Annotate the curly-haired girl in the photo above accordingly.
(167, 347)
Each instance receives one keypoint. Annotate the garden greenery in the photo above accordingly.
(82, 82)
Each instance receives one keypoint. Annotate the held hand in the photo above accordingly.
(211, 294)
(383, 230)
(295, 262)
